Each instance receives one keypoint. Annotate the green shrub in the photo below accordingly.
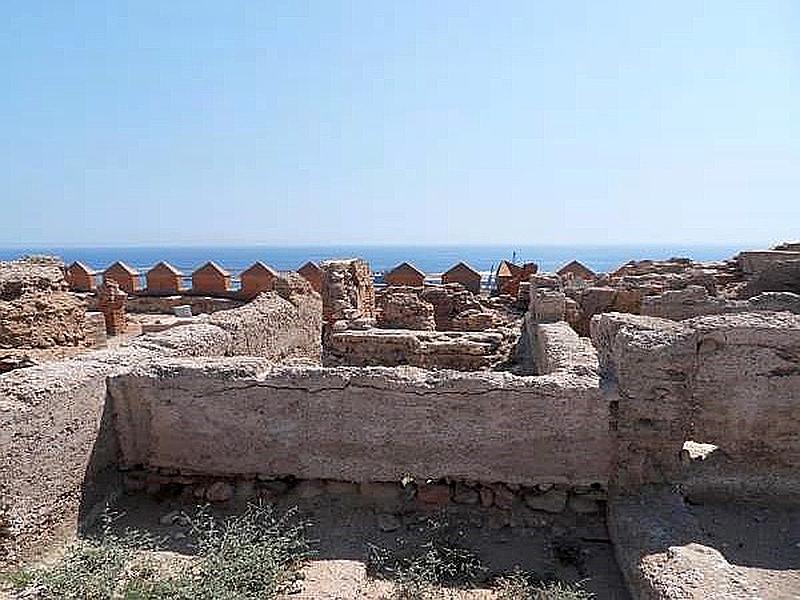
(520, 586)
(420, 570)
(252, 556)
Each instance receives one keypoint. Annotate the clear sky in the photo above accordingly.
(329, 122)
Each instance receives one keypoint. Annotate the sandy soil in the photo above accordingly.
(344, 528)
(763, 541)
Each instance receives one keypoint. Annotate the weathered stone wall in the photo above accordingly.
(348, 290)
(556, 348)
(444, 308)
(166, 304)
(36, 310)
(224, 417)
(752, 262)
(694, 301)
(730, 380)
(400, 307)
(286, 323)
(448, 302)
(56, 441)
(678, 305)
(464, 351)
(547, 302)
(42, 321)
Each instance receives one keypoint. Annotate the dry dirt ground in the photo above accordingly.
(568, 547)
(763, 541)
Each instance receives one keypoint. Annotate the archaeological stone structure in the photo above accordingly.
(634, 397)
(36, 310)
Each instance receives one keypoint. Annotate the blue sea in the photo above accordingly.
(431, 259)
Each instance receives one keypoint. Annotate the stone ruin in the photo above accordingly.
(36, 308)
(348, 292)
(681, 288)
(248, 403)
(435, 326)
(111, 302)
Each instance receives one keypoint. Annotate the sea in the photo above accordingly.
(430, 259)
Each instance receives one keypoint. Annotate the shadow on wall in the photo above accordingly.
(102, 480)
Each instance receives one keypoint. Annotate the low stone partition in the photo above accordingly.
(57, 445)
(461, 350)
(730, 380)
(695, 301)
(556, 348)
(247, 419)
(139, 304)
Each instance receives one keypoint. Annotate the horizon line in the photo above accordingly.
(46, 245)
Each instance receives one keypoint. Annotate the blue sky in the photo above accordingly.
(399, 122)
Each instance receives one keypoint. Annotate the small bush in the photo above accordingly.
(254, 555)
(421, 570)
(520, 586)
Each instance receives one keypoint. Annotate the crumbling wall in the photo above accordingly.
(36, 310)
(348, 291)
(464, 351)
(730, 380)
(56, 442)
(448, 307)
(449, 301)
(402, 308)
(222, 417)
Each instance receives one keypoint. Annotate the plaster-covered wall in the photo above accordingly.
(224, 417)
(730, 380)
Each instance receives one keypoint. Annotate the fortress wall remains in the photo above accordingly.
(229, 418)
(57, 445)
(729, 380)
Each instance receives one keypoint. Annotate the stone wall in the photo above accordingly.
(729, 380)
(463, 351)
(286, 323)
(695, 301)
(444, 308)
(678, 305)
(448, 301)
(400, 307)
(556, 348)
(348, 291)
(166, 304)
(57, 447)
(235, 418)
(36, 310)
